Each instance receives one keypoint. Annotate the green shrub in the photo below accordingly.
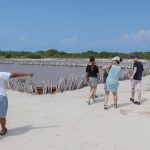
(34, 56)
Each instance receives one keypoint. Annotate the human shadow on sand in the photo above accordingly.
(144, 100)
(23, 130)
(120, 105)
(98, 101)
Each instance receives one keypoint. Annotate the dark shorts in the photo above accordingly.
(3, 106)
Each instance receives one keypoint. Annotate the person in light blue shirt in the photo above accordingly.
(112, 81)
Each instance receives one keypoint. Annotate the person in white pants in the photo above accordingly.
(136, 78)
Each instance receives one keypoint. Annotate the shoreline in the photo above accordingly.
(70, 62)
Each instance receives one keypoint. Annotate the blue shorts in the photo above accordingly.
(111, 86)
(3, 106)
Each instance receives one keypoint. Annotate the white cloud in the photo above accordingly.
(134, 41)
(142, 36)
(23, 40)
(70, 41)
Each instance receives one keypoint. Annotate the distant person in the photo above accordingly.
(112, 80)
(136, 78)
(91, 77)
(4, 76)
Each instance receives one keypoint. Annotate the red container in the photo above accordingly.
(39, 90)
(53, 89)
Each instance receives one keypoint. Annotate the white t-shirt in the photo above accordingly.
(4, 76)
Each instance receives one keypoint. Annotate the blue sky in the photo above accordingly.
(75, 25)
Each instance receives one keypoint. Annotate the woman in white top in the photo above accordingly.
(4, 76)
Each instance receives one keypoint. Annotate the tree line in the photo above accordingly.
(53, 53)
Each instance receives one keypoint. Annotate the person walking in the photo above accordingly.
(91, 77)
(136, 78)
(112, 80)
(5, 76)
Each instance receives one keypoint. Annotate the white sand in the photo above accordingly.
(65, 122)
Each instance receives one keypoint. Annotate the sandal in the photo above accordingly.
(115, 105)
(3, 132)
(105, 106)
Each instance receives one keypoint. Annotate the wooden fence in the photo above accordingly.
(63, 84)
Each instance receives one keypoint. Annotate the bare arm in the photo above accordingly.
(108, 66)
(134, 72)
(98, 75)
(20, 74)
(86, 77)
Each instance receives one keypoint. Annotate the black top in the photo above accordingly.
(140, 69)
(105, 75)
(92, 72)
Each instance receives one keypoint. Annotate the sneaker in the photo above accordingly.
(88, 102)
(132, 100)
(137, 103)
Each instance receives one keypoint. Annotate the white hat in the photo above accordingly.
(116, 58)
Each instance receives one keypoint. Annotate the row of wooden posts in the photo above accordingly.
(63, 84)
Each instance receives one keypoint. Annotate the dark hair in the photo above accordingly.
(92, 58)
(135, 56)
(118, 62)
